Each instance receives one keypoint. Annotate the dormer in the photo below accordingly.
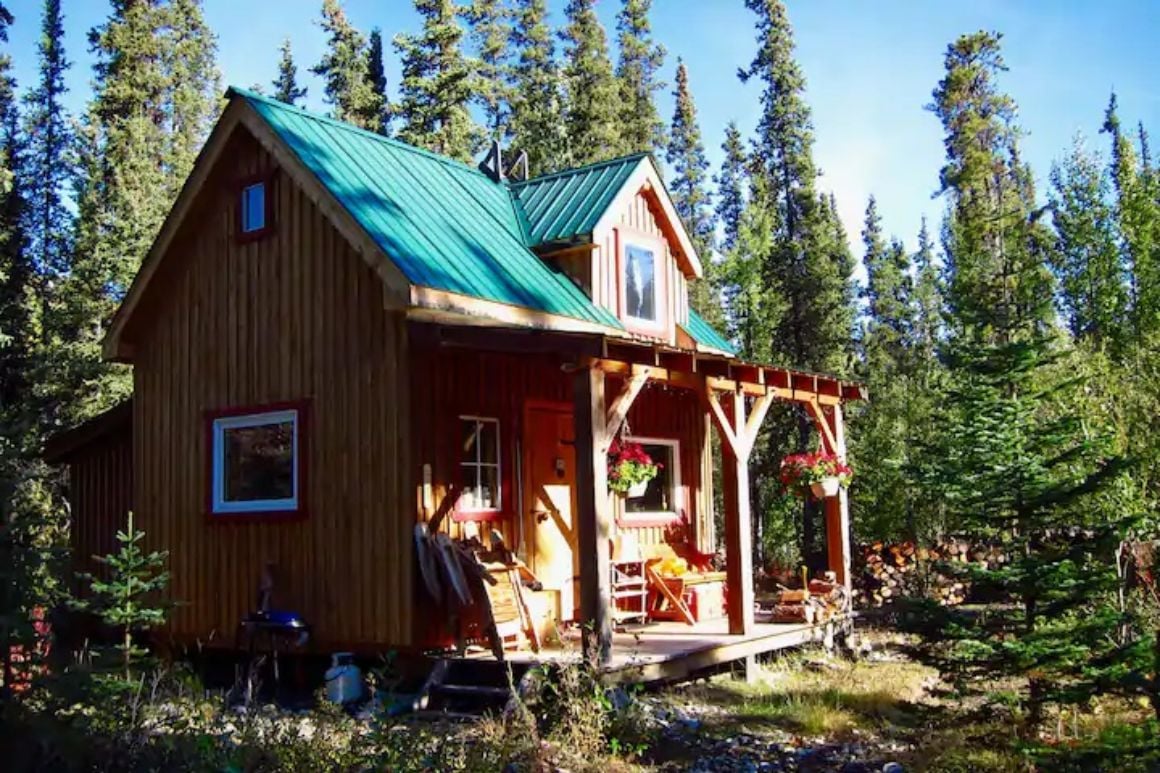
(613, 229)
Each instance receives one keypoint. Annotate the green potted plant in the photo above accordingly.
(630, 469)
(820, 474)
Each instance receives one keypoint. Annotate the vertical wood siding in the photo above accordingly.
(100, 493)
(296, 315)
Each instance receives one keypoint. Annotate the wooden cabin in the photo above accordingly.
(337, 336)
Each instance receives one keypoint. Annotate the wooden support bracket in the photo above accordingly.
(618, 411)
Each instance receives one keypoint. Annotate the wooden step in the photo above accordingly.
(473, 690)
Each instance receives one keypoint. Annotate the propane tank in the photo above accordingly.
(343, 679)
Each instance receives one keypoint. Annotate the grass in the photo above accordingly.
(816, 696)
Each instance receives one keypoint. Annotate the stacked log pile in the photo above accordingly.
(904, 570)
(818, 602)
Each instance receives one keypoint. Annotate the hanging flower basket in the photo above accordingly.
(826, 487)
(818, 474)
(629, 469)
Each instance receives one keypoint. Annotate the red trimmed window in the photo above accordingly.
(480, 466)
(659, 501)
(256, 461)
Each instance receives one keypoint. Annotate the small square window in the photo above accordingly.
(640, 283)
(661, 495)
(256, 463)
(253, 208)
(479, 463)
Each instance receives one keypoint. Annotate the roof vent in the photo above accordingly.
(519, 170)
(492, 163)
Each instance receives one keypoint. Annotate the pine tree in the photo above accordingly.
(1087, 258)
(1137, 217)
(375, 113)
(591, 92)
(344, 68)
(491, 33)
(49, 132)
(286, 88)
(806, 270)
(537, 99)
(690, 172)
(730, 182)
(637, 71)
(438, 85)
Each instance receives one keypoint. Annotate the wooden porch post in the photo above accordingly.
(838, 508)
(738, 528)
(832, 429)
(594, 511)
(737, 436)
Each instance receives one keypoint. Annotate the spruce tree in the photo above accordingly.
(30, 537)
(537, 98)
(994, 241)
(155, 94)
(192, 95)
(806, 270)
(637, 71)
(927, 300)
(689, 172)
(1023, 466)
(49, 154)
(491, 33)
(591, 91)
(438, 85)
(883, 493)
(730, 180)
(1137, 210)
(1087, 259)
(374, 114)
(286, 88)
(344, 68)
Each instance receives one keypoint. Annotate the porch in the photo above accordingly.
(567, 397)
(664, 651)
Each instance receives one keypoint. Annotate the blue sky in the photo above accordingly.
(870, 69)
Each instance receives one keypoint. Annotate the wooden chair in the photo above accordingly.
(507, 620)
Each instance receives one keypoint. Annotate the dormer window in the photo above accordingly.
(254, 208)
(640, 284)
(643, 284)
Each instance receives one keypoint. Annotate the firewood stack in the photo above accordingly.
(904, 570)
(817, 602)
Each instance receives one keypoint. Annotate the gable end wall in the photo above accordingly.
(297, 315)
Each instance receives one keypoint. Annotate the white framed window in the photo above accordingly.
(641, 282)
(479, 464)
(256, 462)
(662, 496)
(253, 207)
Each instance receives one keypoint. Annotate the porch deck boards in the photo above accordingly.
(667, 650)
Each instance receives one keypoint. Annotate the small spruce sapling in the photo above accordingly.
(127, 599)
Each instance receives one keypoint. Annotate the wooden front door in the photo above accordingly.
(550, 503)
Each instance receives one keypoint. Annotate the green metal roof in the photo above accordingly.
(567, 204)
(704, 334)
(446, 225)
